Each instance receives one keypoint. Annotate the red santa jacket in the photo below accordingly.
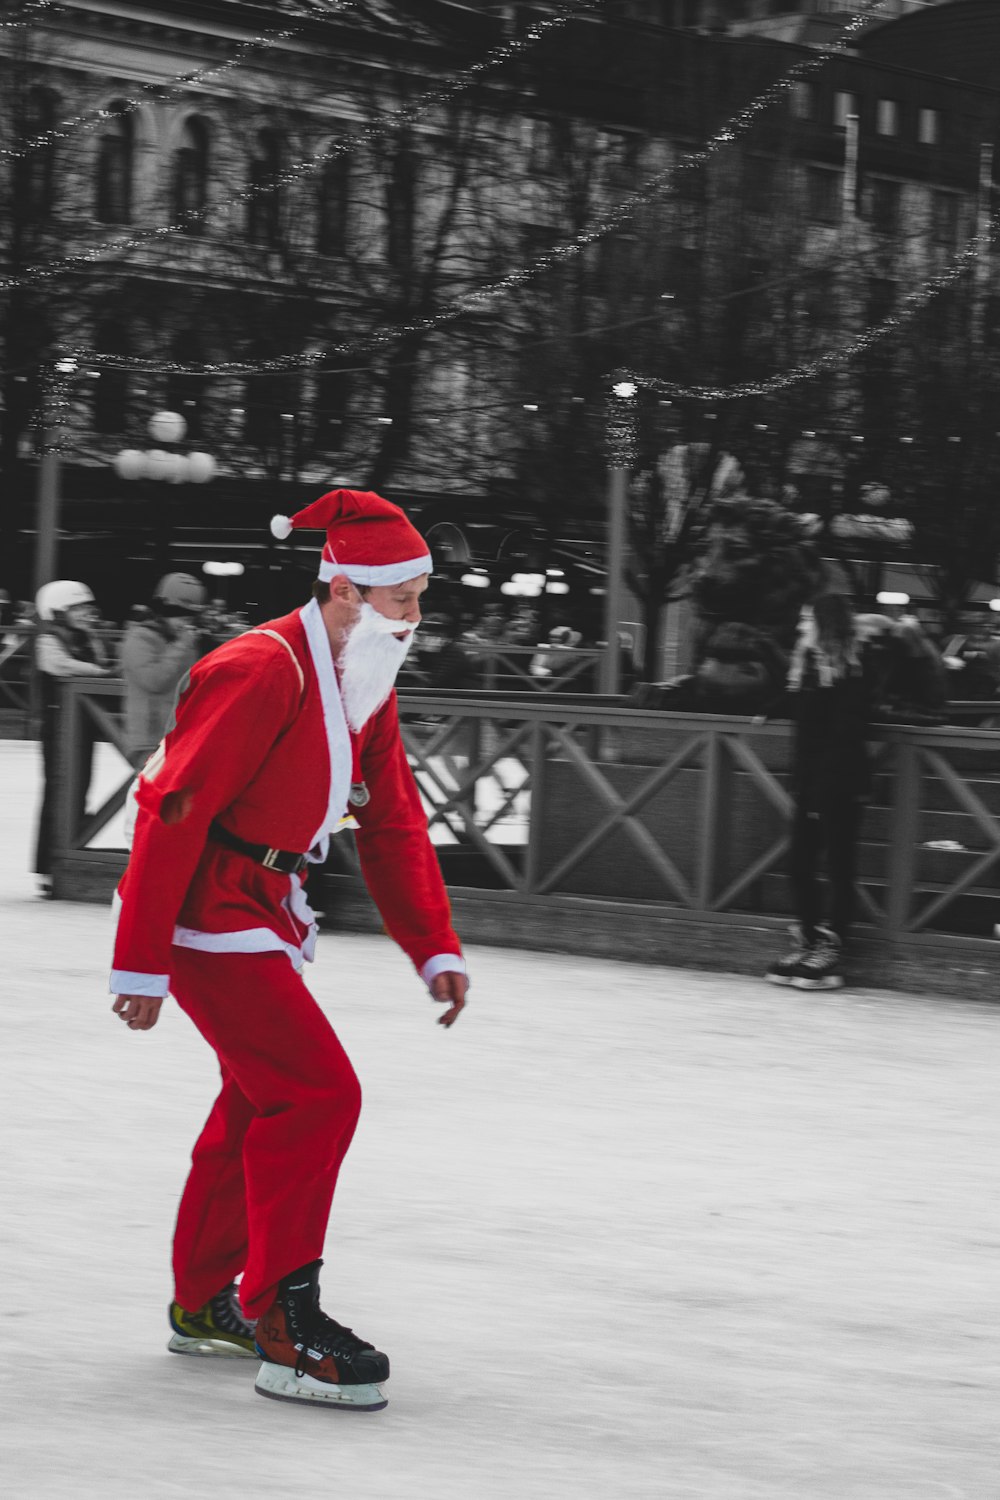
(260, 742)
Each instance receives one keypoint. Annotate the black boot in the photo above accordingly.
(309, 1356)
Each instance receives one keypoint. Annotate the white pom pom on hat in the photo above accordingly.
(281, 527)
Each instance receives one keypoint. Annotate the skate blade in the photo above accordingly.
(833, 982)
(280, 1383)
(203, 1348)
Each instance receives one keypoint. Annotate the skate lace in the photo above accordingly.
(328, 1337)
(227, 1314)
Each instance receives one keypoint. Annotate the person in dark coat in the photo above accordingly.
(829, 695)
(67, 644)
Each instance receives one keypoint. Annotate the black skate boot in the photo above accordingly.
(820, 968)
(309, 1357)
(217, 1328)
(784, 969)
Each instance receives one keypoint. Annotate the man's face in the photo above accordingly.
(399, 601)
(373, 650)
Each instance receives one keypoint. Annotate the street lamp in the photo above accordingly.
(165, 465)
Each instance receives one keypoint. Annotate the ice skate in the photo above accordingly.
(820, 968)
(217, 1328)
(783, 970)
(308, 1357)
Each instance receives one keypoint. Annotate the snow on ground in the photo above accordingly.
(625, 1231)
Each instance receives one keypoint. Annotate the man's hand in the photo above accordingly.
(449, 988)
(139, 1012)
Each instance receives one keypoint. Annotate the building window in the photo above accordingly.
(929, 127)
(886, 197)
(190, 175)
(401, 205)
(945, 216)
(843, 105)
(186, 393)
(804, 101)
(759, 183)
(887, 117)
(823, 195)
(111, 388)
(333, 394)
(34, 174)
(332, 206)
(115, 151)
(881, 299)
(264, 208)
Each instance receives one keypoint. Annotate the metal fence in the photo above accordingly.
(533, 799)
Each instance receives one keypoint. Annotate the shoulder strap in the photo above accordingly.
(261, 630)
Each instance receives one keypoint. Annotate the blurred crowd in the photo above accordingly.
(738, 668)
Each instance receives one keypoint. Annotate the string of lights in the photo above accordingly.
(732, 130)
(832, 359)
(28, 11)
(159, 91)
(382, 125)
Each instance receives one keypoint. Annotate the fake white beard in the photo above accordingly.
(369, 663)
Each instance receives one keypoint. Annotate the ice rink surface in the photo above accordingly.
(624, 1232)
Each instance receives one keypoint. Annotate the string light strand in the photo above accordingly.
(161, 92)
(833, 359)
(732, 130)
(391, 120)
(28, 12)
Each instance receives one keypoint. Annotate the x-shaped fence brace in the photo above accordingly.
(450, 772)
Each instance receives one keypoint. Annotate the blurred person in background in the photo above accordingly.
(441, 657)
(160, 645)
(553, 659)
(68, 643)
(829, 695)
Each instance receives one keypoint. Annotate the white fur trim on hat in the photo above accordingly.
(281, 527)
(383, 573)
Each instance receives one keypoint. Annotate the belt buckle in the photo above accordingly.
(270, 860)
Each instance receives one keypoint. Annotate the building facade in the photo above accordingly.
(232, 184)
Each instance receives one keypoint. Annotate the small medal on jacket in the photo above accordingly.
(359, 795)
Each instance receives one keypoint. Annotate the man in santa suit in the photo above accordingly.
(279, 739)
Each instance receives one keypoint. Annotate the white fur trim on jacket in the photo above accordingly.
(442, 963)
(338, 736)
(384, 573)
(250, 940)
(123, 982)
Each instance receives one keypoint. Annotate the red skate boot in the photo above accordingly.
(306, 1356)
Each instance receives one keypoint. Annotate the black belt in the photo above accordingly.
(283, 860)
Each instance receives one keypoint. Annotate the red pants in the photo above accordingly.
(265, 1166)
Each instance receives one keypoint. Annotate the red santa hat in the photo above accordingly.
(368, 540)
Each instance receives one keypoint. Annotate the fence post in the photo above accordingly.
(536, 809)
(710, 821)
(903, 833)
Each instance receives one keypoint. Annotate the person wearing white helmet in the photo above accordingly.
(67, 644)
(160, 646)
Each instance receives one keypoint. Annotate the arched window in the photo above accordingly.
(190, 175)
(34, 174)
(264, 208)
(186, 393)
(111, 389)
(332, 206)
(115, 151)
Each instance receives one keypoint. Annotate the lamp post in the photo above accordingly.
(166, 464)
(621, 439)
